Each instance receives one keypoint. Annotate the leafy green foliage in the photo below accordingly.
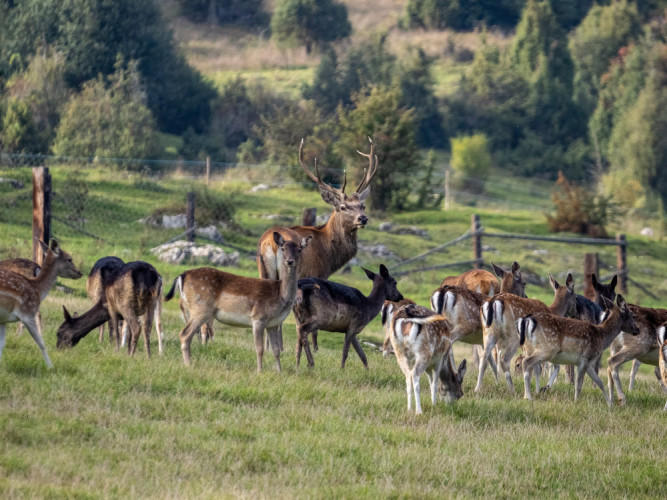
(19, 131)
(425, 198)
(461, 14)
(309, 22)
(108, 120)
(227, 12)
(471, 158)
(379, 115)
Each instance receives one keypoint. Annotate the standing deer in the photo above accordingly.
(333, 307)
(132, 292)
(642, 347)
(99, 274)
(29, 269)
(499, 315)
(241, 301)
(334, 243)
(546, 337)
(20, 297)
(421, 342)
(662, 341)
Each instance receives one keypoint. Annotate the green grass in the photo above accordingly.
(101, 424)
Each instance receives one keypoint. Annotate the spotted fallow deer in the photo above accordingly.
(662, 342)
(547, 337)
(333, 307)
(20, 297)
(642, 347)
(334, 243)
(131, 293)
(421, 342)
(29, 269)
(241, 301)
(499, 315)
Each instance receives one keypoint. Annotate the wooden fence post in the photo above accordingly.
(591, 266)
(622, 264)
(190, 216)
(41, 210)
(476, 241)
(448, 192)
(208, 169)
(309, 217)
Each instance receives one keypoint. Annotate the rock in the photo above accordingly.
(174, 221)
(389, 227)
(647, 231)
(259, 187)
(185, 252)
(279, 218)
(211, 232)
(16, 184)
(386, 227)
(378, 250)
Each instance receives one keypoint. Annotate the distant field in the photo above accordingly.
(103, 425)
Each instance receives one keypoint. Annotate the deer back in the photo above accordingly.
(478, 280)
(461, 308)
(100, 274)
(136, 286)
(24, 267)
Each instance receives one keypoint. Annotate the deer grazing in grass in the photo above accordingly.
(20, 297)
(99, 274)
(662, 342)
(421, 342)
(499, 315)
(235, 300)
(642, 347)
(29, 269)
(334, 243)
(329, 306)
(546, 337)
(131, 293)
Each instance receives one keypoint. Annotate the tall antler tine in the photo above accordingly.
(305, 169)
(342, 190)
(372, 167)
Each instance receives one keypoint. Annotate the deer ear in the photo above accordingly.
(68, 318)
(499, 271)
(44, 247)
(516, 270)
(613, 282)
(620, 301)
(594, 281)
(55, 247)
(554, 283)
(384, 272)
(569, 282)
(278, 238)
(370, 274)
(330, 197)
(462, 370)
(364, 194)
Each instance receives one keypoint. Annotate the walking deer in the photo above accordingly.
(241, 301)
(421, 342)
(325, 305)
(20, 297)
(546, 337)
(662, 341)
(29, 269)
(499, 315)
(131, 293)
(642, 347)
(334, 243)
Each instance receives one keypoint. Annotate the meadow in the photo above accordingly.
(101, 424)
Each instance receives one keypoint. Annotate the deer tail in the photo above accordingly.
(177, 285)
(487, 313)
(525, 326)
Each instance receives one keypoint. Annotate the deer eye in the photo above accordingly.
(343, 208)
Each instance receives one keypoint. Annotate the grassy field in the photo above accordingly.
(101, 424)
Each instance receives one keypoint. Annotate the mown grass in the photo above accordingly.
(101, 424)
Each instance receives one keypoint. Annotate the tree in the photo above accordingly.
(309, 22)
(19, 133)
(108, 119)
(378, 114)
(461, 14)
(471, 159)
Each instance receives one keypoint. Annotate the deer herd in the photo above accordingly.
(294, 265)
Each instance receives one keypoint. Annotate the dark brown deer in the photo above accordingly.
(241, 301)
(325, 305)
(99, 274)
(547, 337)
(421, 342)
(334, 243)
(20, 297)
(130, 293)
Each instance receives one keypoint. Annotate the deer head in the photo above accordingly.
(602, 292)
(62, 261)
(350, 209)
(384, 279)
(511, 282)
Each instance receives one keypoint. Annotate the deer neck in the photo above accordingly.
(47, 276)
(288, 283)
(376, 299)
(343, 241)
(94, 317)
(611, 327)
(558, 307)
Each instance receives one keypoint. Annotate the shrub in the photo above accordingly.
(471, 160)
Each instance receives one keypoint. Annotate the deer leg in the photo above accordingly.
(417, 372)
(135, 331)
(101, 334)
(633, 373)
(31, 323)
(2, 338)
(554, 376)
(528, 365)
(185, 337)
(581, 372)
(592, 373)
(157, 318)
(505, 359)
(273, 333)
(302, 343)
(148, 326)
(313, 334)
(614, 381)
(360, 351)
(346, 347)
(538, 372)
(489, 343)
(258, 334)
(113, 327)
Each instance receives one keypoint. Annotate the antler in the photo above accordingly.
(372, 168)
(317, 179)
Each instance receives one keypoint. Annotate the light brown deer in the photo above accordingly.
(325, 305)
(421, 342)
(334, 243)
(499, 315)
(547, 337)
(241, 301)
(484, 282)
(20, 297)
(642, 347)
(29, 269)
(662, 340)
(131, 293)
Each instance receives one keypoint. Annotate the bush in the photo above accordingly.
(471, 160)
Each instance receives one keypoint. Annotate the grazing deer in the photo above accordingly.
(642, 347)
(388, 306)
(132, 292)
(20, 297)
(499, 315)
(421, 341)
(334, 243)
(325, 305)
(484, 282)
(29, 269)
(546, 337)
(100, 272)
(662, 341)
(241, 301)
